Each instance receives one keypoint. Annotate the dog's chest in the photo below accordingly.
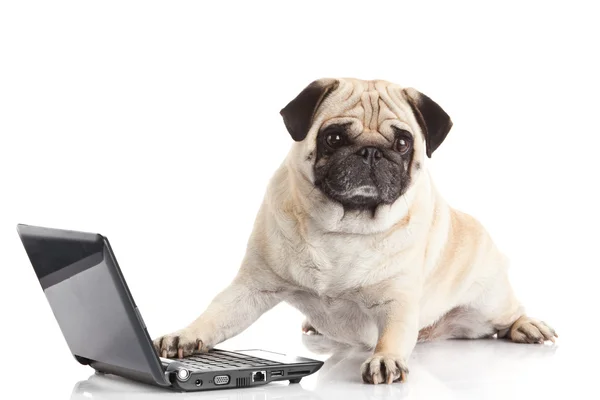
(335, 266)
(326, 272)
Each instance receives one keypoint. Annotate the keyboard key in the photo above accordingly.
(224, 360)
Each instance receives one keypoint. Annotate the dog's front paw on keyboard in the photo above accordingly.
(180, 344)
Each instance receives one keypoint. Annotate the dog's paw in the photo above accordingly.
(384, 368)
(179, 344)
(529, 330)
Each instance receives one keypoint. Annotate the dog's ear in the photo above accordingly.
(434, 121)
(298, 114)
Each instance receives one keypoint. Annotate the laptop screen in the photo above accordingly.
(89, 298)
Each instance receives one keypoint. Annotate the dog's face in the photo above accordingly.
(361, 168)
(362, 142)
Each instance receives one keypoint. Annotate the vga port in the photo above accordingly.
(221, 379)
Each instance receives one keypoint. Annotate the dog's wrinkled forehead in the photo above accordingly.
(374, 107)
(370, 107)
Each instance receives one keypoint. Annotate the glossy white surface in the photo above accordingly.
(487, 369)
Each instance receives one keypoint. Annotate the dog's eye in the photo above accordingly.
(403, 145)
(334, 140)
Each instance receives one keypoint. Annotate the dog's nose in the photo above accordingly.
(370, 154)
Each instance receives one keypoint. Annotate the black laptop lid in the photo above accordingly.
(91, 302)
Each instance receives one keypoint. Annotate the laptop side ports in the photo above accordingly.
(221, 380)
(259, 376)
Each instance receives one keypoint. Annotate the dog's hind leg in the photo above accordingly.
(505, 314)
(496, 312)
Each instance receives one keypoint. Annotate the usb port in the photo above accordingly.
(277, 373)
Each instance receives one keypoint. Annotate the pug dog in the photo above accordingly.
(353, 233)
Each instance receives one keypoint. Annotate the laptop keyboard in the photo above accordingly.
(224, 360)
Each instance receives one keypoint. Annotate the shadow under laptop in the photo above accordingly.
(448, 369)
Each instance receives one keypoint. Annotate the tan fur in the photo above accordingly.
(365, 280)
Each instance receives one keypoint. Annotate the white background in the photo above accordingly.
(157, 124)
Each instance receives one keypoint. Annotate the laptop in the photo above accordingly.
(104, 329)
